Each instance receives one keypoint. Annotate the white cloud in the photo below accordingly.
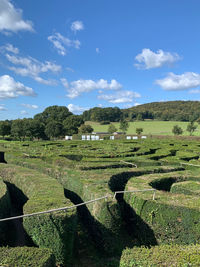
(64, 82)
(76, 109)
(30, 106)
(60, 43)
(136, 104)
(148, 59)
(2, 107)
(10, 48)
(9, 88)
(194, 91)
(24, 112)
(11, 18)
(183, 81)
(76, 88)
(77, 26)
(33, 68)
(97, 50)
(120, 97)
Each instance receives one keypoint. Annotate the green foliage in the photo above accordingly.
(85, 128)
(18, 129)
(5, 128)
(55, 113)
(71, 124)
(102, 114)
(112, 128)
(167, 111)
(26, 257)
(5, 206)
(54, 129)
(123, 125)
(139, 130)
(91, 169)
(177, 130)
(164, 255)
(191, 127)
(55, 231)
(140, 117)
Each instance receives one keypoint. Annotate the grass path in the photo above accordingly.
(149, 127)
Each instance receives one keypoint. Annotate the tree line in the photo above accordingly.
(165, 111)
(53, 122)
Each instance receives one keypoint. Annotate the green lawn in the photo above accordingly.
(149, 127)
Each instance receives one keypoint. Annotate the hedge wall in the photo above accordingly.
(164, 255)
(26, 257)
(173, 217)
(55, 230)
(4, 212)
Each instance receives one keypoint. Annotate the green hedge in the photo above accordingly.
(172, 217)
(4, 212)
(186, 187)
(164, 255)
(26, 257)
(55, 230)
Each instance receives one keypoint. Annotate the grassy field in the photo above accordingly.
(149, 127)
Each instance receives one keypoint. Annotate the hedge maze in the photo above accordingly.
(130, 229)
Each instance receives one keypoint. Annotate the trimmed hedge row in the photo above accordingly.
(172, 217)
(4, 212)
(164, 255)
(55, 230)
(186, 188)
(26, 257)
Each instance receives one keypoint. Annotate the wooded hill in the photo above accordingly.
(165, 111)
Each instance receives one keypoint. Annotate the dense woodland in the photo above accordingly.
(58, 121)
(165, 111)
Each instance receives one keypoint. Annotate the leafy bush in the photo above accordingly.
(26, 257)
(164, 255)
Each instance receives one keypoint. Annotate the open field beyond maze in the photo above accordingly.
(150, 127)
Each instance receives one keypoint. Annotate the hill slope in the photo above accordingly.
(170, 110)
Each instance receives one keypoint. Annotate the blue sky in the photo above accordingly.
(82, 54)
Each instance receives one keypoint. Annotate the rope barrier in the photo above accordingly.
(53, 210)
(74, 206)
(128, 163)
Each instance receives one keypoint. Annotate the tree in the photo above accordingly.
(36, 129)
(85, 128)
(56, 113)
(198, 120)
(139, 117)
(71, 124)
(103, 114)
(5, 128)
(139, 130)
(54, 129)
(177, 130)
(191, 127)
(112, 128)
(18, 129)
(123, 125)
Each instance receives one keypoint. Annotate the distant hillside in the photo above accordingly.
(165, 111)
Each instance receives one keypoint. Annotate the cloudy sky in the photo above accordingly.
(82, 54)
